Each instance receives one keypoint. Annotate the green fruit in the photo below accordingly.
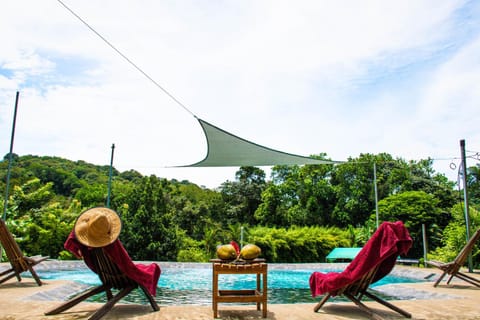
(250, 251)
(226, 252)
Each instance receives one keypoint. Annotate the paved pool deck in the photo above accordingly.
(458, 300)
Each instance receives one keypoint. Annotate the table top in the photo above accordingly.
(258, 267)
(239, 261)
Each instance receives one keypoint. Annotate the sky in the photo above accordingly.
(342, 78)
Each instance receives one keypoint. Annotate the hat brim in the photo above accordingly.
(85, 239)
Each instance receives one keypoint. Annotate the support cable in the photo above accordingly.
(127, 59)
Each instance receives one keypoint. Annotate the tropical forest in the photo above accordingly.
(297, 214)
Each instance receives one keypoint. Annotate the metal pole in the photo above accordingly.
(241, 237)
(425, 244)
(110, 177)
(10, 160)
(465, 199)
(376, 191)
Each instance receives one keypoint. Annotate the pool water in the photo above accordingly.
(194, 285)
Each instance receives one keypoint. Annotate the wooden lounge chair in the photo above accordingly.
(112, 278)
(453, 268)
(376, 260)
(18, 261)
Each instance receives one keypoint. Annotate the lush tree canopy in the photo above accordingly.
(297, 215)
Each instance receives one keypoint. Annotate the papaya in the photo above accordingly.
(226, 252)
(250, 251)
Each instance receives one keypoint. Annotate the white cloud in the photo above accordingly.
(341, 77)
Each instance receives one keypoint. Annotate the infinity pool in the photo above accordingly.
(193, 285)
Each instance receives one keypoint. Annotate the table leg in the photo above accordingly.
(264, 293)
(215, 294)
(258, 289)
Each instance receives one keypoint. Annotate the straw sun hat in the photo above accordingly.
(97, 227)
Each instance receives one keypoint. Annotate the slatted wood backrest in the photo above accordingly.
(361, 284)
(12, 250)
(109, 272)
(467, 249)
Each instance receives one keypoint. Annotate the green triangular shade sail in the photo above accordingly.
(228, 150)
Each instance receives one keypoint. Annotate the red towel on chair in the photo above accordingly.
(389, 241)
(145, 275)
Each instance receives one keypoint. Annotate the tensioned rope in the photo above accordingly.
(127, 59)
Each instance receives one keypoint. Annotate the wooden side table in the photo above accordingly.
(258, 295)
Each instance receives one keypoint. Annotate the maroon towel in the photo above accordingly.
(389, 241)
(145, 275)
